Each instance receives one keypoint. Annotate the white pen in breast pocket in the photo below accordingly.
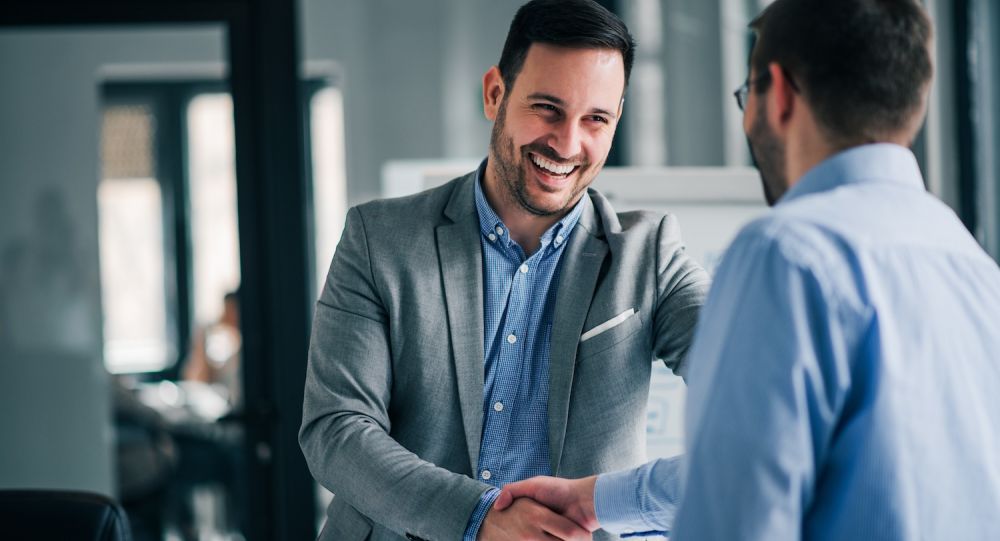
(609, 324)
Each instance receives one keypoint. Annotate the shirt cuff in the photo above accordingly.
(476, 520)
(618, 506)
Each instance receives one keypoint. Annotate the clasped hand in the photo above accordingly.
(543, 508)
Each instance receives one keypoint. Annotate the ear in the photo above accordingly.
(782, 99)
(493, 92)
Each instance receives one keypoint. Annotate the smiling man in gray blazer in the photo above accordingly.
(503, 325)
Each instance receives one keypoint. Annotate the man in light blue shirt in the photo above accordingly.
(845, 376)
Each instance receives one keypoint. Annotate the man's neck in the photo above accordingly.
(807, 147)
(525, 228)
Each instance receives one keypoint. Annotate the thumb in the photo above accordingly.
(503, 501)
(513, 491)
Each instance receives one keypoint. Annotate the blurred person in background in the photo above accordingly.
(215, 353)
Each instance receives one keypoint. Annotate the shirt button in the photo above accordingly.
(559, 239)
(511, 339)
(492, 237)
(499, 230)
(498, 407)
(524, 268)
(486, 475)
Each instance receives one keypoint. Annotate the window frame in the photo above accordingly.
(168, 101)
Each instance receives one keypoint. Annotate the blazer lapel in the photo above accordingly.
(460, 258)
(581, 265)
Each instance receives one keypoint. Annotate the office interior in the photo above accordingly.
(159, 160)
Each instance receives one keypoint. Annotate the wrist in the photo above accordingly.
(479, 514)
(586, 502)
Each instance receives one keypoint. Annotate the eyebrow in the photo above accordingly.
(560, 102)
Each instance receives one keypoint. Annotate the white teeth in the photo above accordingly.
(552, 167)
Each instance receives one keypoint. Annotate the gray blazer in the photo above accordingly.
(393, 412)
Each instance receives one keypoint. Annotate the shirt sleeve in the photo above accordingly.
(640, 501)
(476, 520)
(767, 377)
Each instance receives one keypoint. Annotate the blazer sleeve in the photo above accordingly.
(681, 289)
(345, 434)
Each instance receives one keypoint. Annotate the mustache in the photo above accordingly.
(549, 154)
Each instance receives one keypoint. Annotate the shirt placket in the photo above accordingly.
(531, 373)
(506, 386)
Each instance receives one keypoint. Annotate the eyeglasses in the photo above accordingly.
(743, 92)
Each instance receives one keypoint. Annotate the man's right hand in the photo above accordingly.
(573, 498)
(526, 520)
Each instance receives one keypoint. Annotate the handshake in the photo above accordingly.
(543, 508)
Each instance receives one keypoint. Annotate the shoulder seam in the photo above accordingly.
(368, 253)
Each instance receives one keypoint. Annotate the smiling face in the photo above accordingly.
(552, 131)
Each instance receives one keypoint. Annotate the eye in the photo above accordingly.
(599, 119)
(546, 107)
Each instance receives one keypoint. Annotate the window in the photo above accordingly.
(168, 215)
(329, 177)
(130, 203)
(212, 187)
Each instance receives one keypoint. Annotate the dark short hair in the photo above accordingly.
(583, 24)
(864, 66)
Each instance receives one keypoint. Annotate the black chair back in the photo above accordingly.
(53, 515)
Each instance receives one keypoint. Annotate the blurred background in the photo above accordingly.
(172, 190)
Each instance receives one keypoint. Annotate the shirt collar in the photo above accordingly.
(493, 228)
(880, 162)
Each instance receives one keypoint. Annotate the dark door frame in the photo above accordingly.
(263, 60)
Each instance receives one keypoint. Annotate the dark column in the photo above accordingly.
(275, 301)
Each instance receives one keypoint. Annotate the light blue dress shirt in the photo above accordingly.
(518, 301)
(845, 379)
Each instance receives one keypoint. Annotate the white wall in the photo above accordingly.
(412, 76)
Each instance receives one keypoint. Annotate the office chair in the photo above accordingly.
(51, 515)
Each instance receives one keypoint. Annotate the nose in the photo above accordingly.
(567, 139)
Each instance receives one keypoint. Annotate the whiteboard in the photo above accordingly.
(711, 204)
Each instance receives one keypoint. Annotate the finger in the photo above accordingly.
(504, 500)
(550, 537)
(523, 489)
(563, 528)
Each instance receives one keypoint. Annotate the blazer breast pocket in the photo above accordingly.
(608, 338)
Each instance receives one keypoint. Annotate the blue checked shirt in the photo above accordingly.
(518, 302)
(844, 377)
